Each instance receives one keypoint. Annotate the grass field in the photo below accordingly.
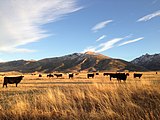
(81, 98)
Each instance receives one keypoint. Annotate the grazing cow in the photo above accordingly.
(122, 76)
(104, 74)
(97, 73)
(137, 75)
(70, 75)
(49, 75)
(156, 73)
(112, 75)
(119, 76)
(39, 75)
(90, 75)
(58, 75)
(12, 80)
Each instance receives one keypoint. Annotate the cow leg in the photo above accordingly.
(16, 84)
(110, 78)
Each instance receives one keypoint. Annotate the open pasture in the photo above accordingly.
(81, 98)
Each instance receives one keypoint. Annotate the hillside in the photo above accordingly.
(88, 61)
(150, 62)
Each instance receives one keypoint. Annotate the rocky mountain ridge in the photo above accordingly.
(150, 62)
(76, 62)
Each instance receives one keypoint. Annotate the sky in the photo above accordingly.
(37, 29)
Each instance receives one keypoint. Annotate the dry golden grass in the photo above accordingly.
(81, 98)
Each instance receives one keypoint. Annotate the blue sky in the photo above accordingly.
(37, 29)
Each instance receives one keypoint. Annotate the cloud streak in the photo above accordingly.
(104, 46)
(131, 41)
(111, 44)
(101, 25)
(107, 45)
(21, 20)
(149, 17)
(100, 38)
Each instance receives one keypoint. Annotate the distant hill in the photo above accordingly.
(150, 62)
(88, 61)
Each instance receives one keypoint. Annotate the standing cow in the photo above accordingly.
(58, 75)
(90, 75)
(39, 75)
(12, 80)
(119, 76)
(70, 75)
(122, 76)
(104, 74)
(137, 75)
(113, 75)
(49, 75)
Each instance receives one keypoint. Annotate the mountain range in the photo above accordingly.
(150, 62)
(88, 61)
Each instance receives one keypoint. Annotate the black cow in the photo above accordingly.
(122, 76)
(90, 75)
(104, 74)
(39, 75)
(137, 75)
(112, 75)
(119, 76)
(70, 75)
(49, 75)
(97, 73)
(58, 75)
(12, 80)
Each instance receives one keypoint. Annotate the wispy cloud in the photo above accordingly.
(104, 46)
(100, 38)
(21, 20)
(101, 25)
(111, 44)
(150, 16)
(131, 41)
(107, 45)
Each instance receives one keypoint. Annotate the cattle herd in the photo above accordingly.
(119, 76)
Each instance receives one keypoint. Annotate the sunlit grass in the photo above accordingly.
(99, 99)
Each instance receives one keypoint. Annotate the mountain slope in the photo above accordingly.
(88, 61)
(150, 62)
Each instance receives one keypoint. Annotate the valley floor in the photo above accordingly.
(81, 98)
